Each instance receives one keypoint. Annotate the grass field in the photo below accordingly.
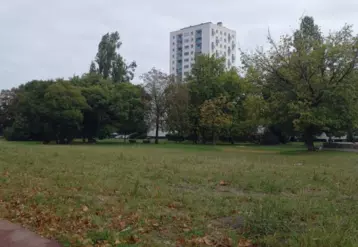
(181, 195)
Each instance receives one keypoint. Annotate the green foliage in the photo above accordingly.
(309, 79)
(109, 62)
(89, 107)
(155, 84)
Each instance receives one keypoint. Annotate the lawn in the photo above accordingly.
(181, 195)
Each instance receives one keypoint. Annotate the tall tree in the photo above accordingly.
(93, 68)
(203, 84)
(110, 63)
(309, 79)
(177, 109)
(155, 84)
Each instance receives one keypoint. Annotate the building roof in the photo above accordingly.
(197, 25)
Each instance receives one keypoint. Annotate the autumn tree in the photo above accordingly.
(309, 79)
(155, 84)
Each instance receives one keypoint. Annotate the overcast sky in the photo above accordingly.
(43, 39)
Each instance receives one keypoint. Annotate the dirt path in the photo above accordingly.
(12, 235)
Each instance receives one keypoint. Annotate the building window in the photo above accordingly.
(173, 56)
(225, 34)
(186, 66)
(173, 62)
(186, 40)
(186, 47)
(186, 53)
(173, 49)
(212, 32)
(221, 46)
(224, 40)
(186, 34)
(221, 32)
(192, 52)
(192, 46)
(186, 60)
(192, 33)
(192, 59)
(173, 43)
(216, 31)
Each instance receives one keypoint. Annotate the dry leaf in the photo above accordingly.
(208, 241)
(245, 243)
(84, 208)
(223, 183)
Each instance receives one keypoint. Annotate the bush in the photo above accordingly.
(146, 141)
(11, 134)
(176, 138)
(269, 138)
(132, 141)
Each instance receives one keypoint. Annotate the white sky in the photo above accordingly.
(44, 39)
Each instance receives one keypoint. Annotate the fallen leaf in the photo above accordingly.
(84, 208)
(223, 183)
(245, 243)
(208, 241)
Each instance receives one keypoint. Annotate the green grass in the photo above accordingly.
(170, 194)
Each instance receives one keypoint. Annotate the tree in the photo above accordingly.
(131, 104)
(203, 84)
(64, 104)
(110, 63)
(93, 68)
(177, 109)
(7, 111)
(216, 116)
(309, 79)
(155, 84)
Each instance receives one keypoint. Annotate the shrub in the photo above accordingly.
(132, 141)
(146, 141)
(176, 138)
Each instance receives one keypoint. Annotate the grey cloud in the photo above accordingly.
(48, 39)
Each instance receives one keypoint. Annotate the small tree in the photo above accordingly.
(155, 84)
(216, 116)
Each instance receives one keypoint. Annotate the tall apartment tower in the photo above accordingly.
(205, 38)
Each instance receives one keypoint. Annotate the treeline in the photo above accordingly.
(302, 85)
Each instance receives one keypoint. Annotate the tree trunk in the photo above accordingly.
(156, 130)
(309, 139)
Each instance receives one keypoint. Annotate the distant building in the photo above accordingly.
(205, 38)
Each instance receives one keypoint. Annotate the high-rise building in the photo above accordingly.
(205, 38)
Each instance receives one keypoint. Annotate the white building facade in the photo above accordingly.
(205, 38)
